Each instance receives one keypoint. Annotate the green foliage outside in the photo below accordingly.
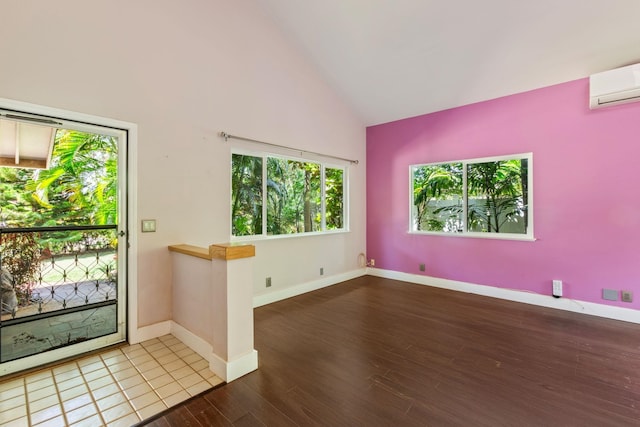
(499, 188)
(20, 257)
(334, 194)
(434, 184)
(293, 198)
(79, 188)
(246, 195)
(497, 197)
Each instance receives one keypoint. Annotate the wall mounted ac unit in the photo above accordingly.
(618, 86)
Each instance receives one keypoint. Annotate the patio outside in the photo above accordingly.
(72, 299)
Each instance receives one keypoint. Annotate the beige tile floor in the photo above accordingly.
(118, 387)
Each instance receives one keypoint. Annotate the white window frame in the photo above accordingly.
(528, 236)
(323, 166)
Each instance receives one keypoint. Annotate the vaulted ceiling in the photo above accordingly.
(392, 59)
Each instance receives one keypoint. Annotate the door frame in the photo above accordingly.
(127, 189)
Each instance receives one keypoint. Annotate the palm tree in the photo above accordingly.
(498, 187)
(334, 190)
(81, 184)
(497, 194)
(436, 183)
(246, 195)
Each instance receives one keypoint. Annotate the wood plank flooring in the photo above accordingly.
(378, 352)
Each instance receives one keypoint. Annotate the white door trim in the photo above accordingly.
(117, 126)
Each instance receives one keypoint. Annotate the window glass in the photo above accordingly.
(437, 198)
(497, 196)
(293, 196)
(473, 196)
(278, 196)
(334, 193)
(246, 195)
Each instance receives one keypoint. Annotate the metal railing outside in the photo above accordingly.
(52, 270)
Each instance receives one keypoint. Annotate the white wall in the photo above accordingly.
(182, 71)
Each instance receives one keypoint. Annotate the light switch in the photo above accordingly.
(148, 225)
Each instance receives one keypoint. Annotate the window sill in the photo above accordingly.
(494, 236)
(259, 238)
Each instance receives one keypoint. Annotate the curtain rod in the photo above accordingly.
(226, 137)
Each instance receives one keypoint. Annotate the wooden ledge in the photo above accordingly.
(223, 251)
(195, 251)
(229, 251)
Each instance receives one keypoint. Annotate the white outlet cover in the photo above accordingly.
(148, 225)
(557, 288)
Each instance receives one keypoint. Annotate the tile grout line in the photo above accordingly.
(166, 346)
(167, 372)
(148, 382)
(120, 386)
(60, 402)
(189, 364)
(93, 399)
(26, 400)
(124, 389)
(142, 374)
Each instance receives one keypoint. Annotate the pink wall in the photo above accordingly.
(586, 193)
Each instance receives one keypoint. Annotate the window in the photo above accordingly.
(479, 197)
(275, 196)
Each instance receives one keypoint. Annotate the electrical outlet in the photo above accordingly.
(610, 294)
(268, 282)
(422, 267)
(627, 296)
(557, 288)
(372, 262)
(321, 271)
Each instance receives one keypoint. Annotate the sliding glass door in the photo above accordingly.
(62, 242)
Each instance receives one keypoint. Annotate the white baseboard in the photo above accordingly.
(278, 295)
(226, 370)
(234, 369)
(149, 332)
(191, 340)
(590, 308)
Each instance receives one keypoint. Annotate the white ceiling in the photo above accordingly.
(392, 59)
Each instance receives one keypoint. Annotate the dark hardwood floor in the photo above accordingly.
(377, 352)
